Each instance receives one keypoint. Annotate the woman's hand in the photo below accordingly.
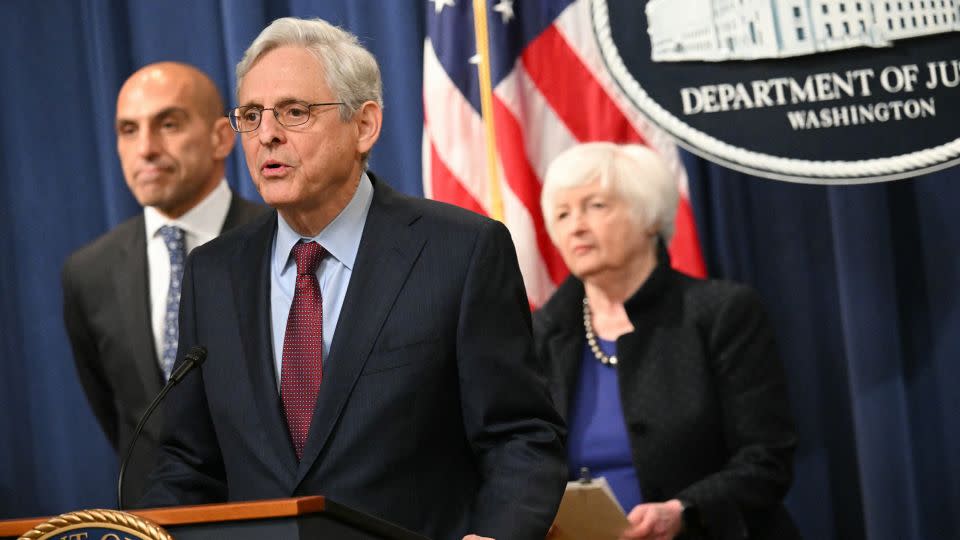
(654, 521)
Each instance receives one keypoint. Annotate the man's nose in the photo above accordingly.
(270, 131)
(148, 143)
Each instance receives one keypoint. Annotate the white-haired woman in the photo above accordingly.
(671, 386)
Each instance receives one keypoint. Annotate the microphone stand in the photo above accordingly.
(194, 358)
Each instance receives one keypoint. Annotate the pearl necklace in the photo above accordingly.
(592, 338)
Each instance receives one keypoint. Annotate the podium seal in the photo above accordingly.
(97, 525)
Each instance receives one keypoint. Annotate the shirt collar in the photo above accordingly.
(203, 220)
(341, 237)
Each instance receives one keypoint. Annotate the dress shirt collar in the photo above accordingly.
(341, 237)
(203, 220)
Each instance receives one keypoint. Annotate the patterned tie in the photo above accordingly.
(173, 238)
(302, 368)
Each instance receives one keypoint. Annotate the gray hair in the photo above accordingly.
(350, 70)
(634, 172)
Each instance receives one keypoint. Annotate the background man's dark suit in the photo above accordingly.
(432, 412)
(106, 308)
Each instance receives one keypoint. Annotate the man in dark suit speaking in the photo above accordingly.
(363, 345)
(121, 292)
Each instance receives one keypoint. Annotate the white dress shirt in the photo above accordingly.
(200, 224)
(341, 239)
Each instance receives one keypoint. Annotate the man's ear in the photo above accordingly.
(368, 119)
(223, 137)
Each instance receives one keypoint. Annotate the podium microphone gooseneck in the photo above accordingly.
(193, 359)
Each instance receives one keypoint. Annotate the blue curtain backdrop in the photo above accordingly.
(861, 281)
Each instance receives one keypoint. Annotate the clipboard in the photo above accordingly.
(589, 511)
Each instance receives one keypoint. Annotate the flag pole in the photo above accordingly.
(486, 106)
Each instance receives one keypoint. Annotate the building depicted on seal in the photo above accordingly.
(718, 30)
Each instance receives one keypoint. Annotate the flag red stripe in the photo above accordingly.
(573, 92)
(524, 183)
(684, 248)
(447, 187)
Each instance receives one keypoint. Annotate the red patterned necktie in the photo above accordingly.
(302, 368)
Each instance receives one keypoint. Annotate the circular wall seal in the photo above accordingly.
(825, 92)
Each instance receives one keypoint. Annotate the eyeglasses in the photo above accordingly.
(294, 113)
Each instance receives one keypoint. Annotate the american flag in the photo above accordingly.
(548, 90)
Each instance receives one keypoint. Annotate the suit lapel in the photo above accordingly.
(241, 211)
(566, 351)
(134, 297)
(233, 217)
(565, 340)
(387, 252)
(250, 276)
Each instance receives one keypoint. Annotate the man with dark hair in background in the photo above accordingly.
(122, 291)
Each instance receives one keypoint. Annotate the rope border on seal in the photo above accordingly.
(788, 169)
(137, 524)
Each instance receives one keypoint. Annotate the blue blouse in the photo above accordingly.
(597, 431)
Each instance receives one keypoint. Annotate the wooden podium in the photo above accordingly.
(281, 519)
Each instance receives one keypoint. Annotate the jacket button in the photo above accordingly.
(638, 428)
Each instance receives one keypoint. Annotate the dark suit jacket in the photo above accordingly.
(432, 412)
(703, 395)
(106, 308)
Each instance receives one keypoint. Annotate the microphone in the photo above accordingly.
(196, 356)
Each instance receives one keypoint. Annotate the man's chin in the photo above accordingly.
(277, 198)
(153, 200)
(272, 199)
(151, 193)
